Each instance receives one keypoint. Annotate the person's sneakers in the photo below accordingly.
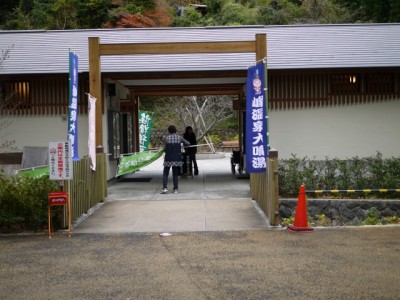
(175, 191)
(164, 191)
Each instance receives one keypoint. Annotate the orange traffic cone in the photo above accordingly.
(301, 219)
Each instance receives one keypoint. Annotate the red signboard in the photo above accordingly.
(58, 198)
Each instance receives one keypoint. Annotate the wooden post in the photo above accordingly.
(261, 46)
(273, 188)
(95, 86)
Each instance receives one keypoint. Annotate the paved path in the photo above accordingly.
(214, 200)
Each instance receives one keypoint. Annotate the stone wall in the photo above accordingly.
(343, 211)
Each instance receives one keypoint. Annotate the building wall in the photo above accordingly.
(335, 132)
(342, 131)
(43, 116)
(40, 130)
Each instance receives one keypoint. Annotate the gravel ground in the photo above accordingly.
(334, 263)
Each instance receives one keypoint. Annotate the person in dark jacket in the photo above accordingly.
(190, 136)
(172, 158)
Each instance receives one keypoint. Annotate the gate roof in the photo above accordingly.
(289, 47)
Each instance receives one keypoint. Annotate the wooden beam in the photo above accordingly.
(177, 48)
(95, 86)
(186, 90)
(176, 75)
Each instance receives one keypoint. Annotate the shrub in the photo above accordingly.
(356, 173)
(23, 202)
(391, 220)
(373, 217)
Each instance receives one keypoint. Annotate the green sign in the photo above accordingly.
(145, 123)
(134, 162)
(38, 172)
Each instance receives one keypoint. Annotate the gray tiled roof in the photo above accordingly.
(289, 47)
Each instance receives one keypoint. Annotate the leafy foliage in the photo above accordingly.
(137, 14)
(373, 217)
(376, 11)
(23, 202)
(71, 14)
(357, 173)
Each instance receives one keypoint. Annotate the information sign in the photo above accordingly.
(60, 161)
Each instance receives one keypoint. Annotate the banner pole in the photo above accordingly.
(266, 99)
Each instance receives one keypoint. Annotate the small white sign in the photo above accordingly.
(60, 161)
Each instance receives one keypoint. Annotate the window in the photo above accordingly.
(15, 95)
(345, 84)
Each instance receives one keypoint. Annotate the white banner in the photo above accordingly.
(60, 161)
(92, 132)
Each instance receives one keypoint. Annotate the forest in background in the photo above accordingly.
(91, 14)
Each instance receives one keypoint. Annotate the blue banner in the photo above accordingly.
(256, 125)
(73, 105)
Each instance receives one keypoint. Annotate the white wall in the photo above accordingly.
(334, 132)
(342, 131)
(40, 130)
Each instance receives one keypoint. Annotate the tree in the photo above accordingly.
(92, 13)
(139, 14)
(58, 14)
(283, 12)
(237, 14)
(219, 12)
(377, 11)
(190, 18)
(324, 12)
(203, 113)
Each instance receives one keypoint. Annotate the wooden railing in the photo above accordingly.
(265, 190)
(87, 188)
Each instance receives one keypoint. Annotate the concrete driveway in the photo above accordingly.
(212, 201)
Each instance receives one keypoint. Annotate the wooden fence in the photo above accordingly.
(265, 190)
(87, 188)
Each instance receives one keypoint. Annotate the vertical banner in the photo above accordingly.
(73, 105)
(145, 124)
(60, 161)
(92, 131)
(256, 125)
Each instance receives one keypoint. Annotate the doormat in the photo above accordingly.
(139, 179)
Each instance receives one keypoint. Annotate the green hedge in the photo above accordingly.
(23, 202)
(356, 173)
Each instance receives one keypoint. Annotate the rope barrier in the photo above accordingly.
(353, 191)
